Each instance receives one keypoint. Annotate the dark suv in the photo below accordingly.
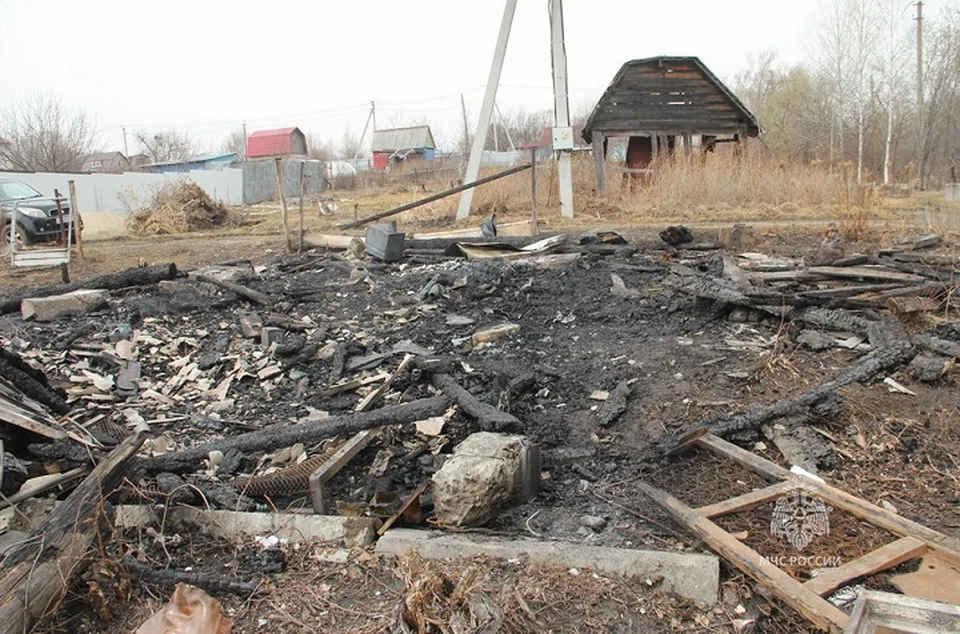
(37, 219)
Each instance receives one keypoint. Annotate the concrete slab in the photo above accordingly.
(351, 531)
(692, 576)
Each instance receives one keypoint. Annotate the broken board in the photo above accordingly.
(807, 597)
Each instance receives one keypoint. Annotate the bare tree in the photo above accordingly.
(40, 133)
(319, 149)
(235, 143)
(169, 145)
(832, 57)
(892, 60)
(519, 126)
(349, 145)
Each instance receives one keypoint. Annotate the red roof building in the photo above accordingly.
(279, 142)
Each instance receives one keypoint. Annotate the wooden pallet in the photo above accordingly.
(805, 597)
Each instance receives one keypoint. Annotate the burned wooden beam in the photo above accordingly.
(38, 571)
(139, 276)
(284, 434)
(170, 578)
(865, 369)
(238, 289)
(489, 417)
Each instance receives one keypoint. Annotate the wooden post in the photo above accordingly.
(599, 161)
(77, 221)
(303, 187)
(534, 229)
(63, 234)
(281, 189)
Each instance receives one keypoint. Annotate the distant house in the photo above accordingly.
(217, 162)
(111, 162)
(138, 160)
(396, 145)
(659, 104)
(279, 142)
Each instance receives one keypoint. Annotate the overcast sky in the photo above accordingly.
(205, 66)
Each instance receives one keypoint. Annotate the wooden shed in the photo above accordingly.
(279, 142)
(660, 104)
(396, 145)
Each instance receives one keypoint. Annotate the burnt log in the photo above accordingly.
(170, 578)
(489, 417)
(140, 276)
(31, 382)
(238, 289)
(37, 572)
(864, 370)
(284, 434)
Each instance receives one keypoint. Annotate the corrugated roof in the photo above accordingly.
(230, 156)
(274, 132)
(397, 139)
(274, 142)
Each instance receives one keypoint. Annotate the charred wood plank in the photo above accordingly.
(846, 272)
(38, 571)
(140, 276)
(489, 417)
(284, 434)
(927, 270)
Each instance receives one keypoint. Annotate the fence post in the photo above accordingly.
(535, 229)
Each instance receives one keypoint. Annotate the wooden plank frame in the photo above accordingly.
(805, 597)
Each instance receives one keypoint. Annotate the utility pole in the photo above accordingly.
(126, 151)
(921, 134)
(486, 110)
(563, 135)
(244, 140)
(466, 126)
(363, 135)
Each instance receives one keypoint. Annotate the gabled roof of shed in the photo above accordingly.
(395, 139)
(273, 142)
(669, 94)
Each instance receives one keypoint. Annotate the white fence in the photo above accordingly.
(120, 193)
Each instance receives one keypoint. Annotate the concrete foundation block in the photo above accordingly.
(486, 472)
(692, 576)
(351, 531)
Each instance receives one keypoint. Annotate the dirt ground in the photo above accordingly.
(684, 359)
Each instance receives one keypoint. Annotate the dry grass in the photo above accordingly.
(178, 208)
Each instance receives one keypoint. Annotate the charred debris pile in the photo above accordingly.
(332, 382)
